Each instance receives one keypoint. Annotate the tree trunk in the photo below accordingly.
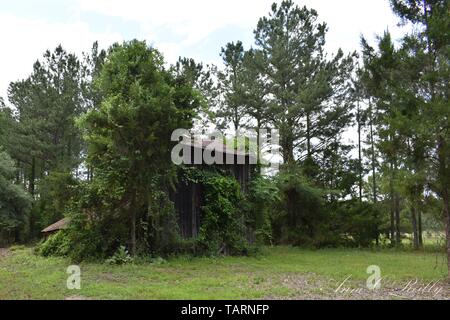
(374, 181)
(392, 231)
(31, 189)
(360, 173)
(373, 158)
(398, 238)
(258, 146)
(447, 227)
(18, 172)
(308, 135)
(288, 150)
(133, 227)
(392, 198)
(414, 227)
(419, 227)
(444, 192)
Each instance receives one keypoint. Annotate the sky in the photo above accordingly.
(195, 28)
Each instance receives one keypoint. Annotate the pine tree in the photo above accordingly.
(231, 110)
(429, 46)
(308, 92)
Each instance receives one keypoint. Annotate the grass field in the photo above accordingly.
(277, 273)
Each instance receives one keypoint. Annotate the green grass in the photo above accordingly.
(279, 272)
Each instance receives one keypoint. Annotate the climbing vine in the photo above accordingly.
(222, 228)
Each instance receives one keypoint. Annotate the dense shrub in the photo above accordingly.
(58, 244)
(262, 199)
(121, 256)
(355, 223)
(15, 203)
(160, 228)
(55, 192)
(223, 227)
(300, 218)
(97, 225)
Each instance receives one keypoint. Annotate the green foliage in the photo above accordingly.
(41, 134)
(408, 84)
(161, 235)
(56, 191)
(262, 199)
(96, 229)
(46, 104)
(222, 225)
(129, 135)
(128, 103)
(57, 244)
(301, 218)
(120, 257)
(223, 228)
(5, 122)
(15, 203)
(231, 113)
(355, 223)
(308, 92)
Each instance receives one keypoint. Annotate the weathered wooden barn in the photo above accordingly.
(188, 197)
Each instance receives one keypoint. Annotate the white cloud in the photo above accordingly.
(189, 24)
(348, 19)
(25, 40)
(193, 21)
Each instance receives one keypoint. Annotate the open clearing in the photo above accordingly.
(277, 273)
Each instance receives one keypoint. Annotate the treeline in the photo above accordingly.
(90, 137)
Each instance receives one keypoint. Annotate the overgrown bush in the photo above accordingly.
(100, 224)
(55, 193)
(223, 228)
(15, 203)
(58, 244)
(355, 223)
(161, 235)
(262, 199)
(300, 218)
(97, 225)
(121, 256)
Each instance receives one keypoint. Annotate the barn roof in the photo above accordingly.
(61, 224)
(219, 145)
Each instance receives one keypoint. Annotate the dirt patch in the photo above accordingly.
(4, 252)
(312, 287)
(75, 297)
(110, 277)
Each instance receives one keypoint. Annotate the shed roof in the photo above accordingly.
(61, 224)
(218, 145)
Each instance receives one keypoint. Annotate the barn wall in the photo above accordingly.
(187, 198)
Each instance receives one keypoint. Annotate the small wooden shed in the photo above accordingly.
(187, 198)
(57, 226)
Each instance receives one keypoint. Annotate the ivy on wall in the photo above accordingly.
(223, 227)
